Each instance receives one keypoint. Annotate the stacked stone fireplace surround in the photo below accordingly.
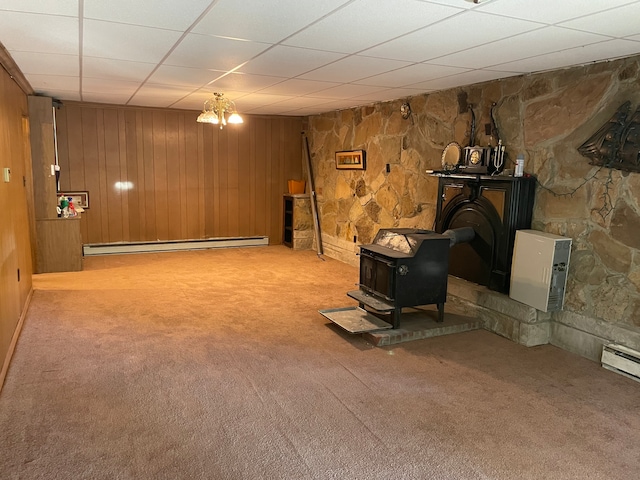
(545, 116)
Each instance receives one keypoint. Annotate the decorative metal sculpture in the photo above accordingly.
(617, 143)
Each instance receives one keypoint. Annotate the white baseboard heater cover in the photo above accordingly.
(173, 245)
(623, 360)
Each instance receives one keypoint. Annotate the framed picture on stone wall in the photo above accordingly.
(351, 160)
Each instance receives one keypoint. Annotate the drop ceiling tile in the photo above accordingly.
(115, 69)
(618, 22)
(365, 23)
(285, 61)
(59, 7)
(346, 90)
(53, 82)
(127, 42)
(276, 109)
(549, 11)
(97, 85)
(296, 86)
(214, 53)
(436, 40)
(410, 75)
(538, 42)
(353, 68)
(465, 78)
(110, 98)
(27, 32)
(263, 21)
(159, 95)
(574, 56)
(391, 94)
(47, 63)
(244, 82)
(256, 99)
(191, 77)
(167, 14)
(60, 94)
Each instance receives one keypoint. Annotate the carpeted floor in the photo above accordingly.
(216, 365)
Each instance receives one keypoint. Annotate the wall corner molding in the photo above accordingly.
(9, 64)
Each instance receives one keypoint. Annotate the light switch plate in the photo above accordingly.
(6, 173)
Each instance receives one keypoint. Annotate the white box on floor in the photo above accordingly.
(539, 269)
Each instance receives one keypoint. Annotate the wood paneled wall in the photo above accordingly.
(16, 204)
(157, 174)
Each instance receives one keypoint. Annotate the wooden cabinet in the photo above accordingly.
(59, 245)
(298, 222)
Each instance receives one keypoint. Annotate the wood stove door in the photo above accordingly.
(377, 275)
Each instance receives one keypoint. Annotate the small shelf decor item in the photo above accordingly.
(351, 160)
(79, 199)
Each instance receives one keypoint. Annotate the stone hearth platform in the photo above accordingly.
(417, 324)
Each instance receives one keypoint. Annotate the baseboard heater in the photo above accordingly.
(172, 245)
(621, 360)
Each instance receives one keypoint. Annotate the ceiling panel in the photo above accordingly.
(115, 40)
(353, 68)
(45, 83)
(191, 77)
(283, 61)
(298, 87)
(204, 51)
(549, 11)
(349, 30)
(451, 35)
(263, 21)
(411, 75)
(586, 54)
(117, 69)
(28, 32)
(47, 63)
(150, 13)
(346, 90)
(617, 22)
(538, 42)
(303, 55)
(58, 7)
(243, 82)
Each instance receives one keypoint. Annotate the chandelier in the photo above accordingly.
(217, 108)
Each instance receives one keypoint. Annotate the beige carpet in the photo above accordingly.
(216, 365)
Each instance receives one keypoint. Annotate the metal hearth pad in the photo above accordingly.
(355, 319)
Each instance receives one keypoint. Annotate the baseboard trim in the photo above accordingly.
(173, 245)
(14, 339)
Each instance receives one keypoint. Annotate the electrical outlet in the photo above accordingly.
(355, 239)
(487, 129)
(6, 173)
(388, 168)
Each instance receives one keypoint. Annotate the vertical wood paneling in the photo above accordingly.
(150, 232)
(91, 168)
(160, 184)
(173, 177)
(132, 175)
(188, 180)
(112, 159)
(124, 190)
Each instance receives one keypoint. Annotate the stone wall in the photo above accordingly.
(545, 116)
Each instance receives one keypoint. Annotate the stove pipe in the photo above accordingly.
(459, 235)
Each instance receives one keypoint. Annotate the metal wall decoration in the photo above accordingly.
(617, 143)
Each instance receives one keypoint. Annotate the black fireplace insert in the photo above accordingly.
(495, 207)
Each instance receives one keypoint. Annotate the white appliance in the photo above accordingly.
(539, 269)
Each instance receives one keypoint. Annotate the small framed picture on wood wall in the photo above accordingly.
(351, 160)
(79, 199)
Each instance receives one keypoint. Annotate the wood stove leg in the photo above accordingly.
(396, 317)
(441, 312)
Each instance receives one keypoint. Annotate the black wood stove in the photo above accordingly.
(406, 268)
